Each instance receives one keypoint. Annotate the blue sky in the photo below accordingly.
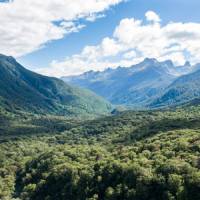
(94, 32)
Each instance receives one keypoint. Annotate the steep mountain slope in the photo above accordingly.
(137, 85)
(184, 89)
(28, 91)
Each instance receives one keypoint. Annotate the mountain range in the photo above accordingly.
(52, 148)
(21, 89)
(148, 84)
(184, 89)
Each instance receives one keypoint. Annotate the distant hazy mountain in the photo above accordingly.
(137, 85)
(24, 90)
(184, 89)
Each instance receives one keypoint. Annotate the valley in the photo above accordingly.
(99, 100)
(126, 156)
(69, 143)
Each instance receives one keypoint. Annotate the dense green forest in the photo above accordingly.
(133, 155)
(24, 90)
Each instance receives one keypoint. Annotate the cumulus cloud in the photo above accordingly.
(152, 16)
(132, 41)
(130, 54)
(26, 25)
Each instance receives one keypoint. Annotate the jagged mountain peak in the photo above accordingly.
(127, 85)
(135, 85)
(150, 60)
(167, 62)
(187, 64)
(9, 59)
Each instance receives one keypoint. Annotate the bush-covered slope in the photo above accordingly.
(164, 167)
(150, 155)
(21, 89)
(182, 90)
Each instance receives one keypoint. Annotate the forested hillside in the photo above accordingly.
(26, 91)
(143, 155)
(184, 89)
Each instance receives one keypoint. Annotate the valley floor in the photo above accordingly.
(135, 155)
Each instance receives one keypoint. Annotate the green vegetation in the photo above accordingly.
(183, 90)
(25, 91)
(135, 155)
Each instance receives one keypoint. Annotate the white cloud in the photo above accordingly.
(26, 25)
(130, 54)
(93, 17)
(71, 26)
(152, 16)
(177, 57)
(132, 41)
